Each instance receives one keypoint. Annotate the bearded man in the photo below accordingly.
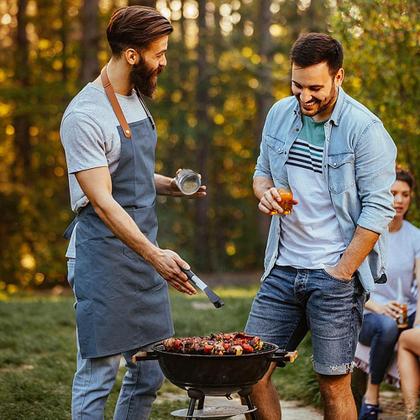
(322, 259)
(118, 273)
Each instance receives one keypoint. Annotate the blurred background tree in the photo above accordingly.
(227, 64)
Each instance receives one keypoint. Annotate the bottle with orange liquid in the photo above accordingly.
(402, 320)
(286, 202)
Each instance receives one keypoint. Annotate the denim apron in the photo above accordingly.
(122, 302)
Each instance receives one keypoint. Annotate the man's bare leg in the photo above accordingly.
(265, 397)
(337, 397)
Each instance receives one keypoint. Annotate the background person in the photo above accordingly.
(380, 330)
(339, 162)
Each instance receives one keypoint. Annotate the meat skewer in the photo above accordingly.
(236, 343)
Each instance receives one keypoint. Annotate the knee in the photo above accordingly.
(265, 381)
(404, 338)
(160, 377)
(261, 386)
(332, 387)
(264, 385)
(154, 376)
(388, 330)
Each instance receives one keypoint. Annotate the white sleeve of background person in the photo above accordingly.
(403, 250)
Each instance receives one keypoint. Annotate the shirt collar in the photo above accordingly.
(338, 108)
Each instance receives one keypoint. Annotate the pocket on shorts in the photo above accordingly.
(71, 263)
(346, 282)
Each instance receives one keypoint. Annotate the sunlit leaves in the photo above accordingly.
(380, 41)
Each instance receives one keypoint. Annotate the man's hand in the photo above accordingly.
(338, 272)
(175, 192)
(167, 186)
(391, 309)
(362, 243)
(270, 201)
(169, 264)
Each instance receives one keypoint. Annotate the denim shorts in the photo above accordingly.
(292, 301)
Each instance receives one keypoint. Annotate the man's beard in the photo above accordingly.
(322, 105)
(144, 78)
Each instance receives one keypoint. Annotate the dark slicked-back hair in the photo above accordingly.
(135, 27)
(405, 176)
(314, 48)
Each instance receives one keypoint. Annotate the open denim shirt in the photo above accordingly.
(358, 167)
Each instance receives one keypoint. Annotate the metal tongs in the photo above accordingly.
(197, 282)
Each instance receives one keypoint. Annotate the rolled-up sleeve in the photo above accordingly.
(262, 167)
(375, 174)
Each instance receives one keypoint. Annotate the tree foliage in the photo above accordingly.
(227, 63)
(381, 43)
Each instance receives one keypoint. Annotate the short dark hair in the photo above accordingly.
(314, 48)
(405, 176)
(135, 27)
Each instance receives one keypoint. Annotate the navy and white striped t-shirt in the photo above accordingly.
(310, 237)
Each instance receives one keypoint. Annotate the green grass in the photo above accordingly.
(37, 354)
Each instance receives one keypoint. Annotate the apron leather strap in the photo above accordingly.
(109, 90)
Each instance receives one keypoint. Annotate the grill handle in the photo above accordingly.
(281, 357)
(144, 355)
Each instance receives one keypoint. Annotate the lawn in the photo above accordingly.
(37, 353)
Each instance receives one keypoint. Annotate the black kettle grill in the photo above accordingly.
(207, 374)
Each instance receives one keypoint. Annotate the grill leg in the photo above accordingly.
(195, 395)
(253, 415)
(191, 407)
(244, 394)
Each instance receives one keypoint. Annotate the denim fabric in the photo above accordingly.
(358, 166)
(94, 379)
(292, 301)
(381, 333)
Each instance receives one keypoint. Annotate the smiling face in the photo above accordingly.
(402, 198)
(316, 89)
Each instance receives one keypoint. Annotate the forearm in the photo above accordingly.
(163, 185)
(417, 318)
(124, 227)
(360, 246)
(417, 271)
(372, 306)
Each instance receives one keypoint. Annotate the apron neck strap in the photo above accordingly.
(109, 90)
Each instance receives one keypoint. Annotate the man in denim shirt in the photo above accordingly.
(338, 161)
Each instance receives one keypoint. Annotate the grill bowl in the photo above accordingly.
(216, 375)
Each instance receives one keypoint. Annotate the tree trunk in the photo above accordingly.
(264, 97)
(63, 37)
(219, 189)
(90, 41)
(202, 236)
(21, 123)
